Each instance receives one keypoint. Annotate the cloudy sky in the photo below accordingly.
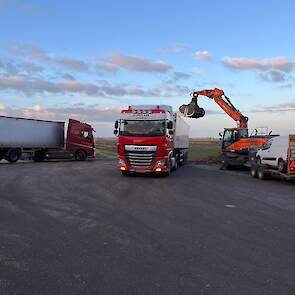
(88, 59)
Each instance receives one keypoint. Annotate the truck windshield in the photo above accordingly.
(143, 128)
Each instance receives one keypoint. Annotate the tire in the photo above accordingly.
(1, 156)
(226, 166)
(174, 168)
(253, 171)
(124, 173)
(80, 156)
(282, 166)
(13, 155)
(184, 159)
(168, 173)
(260, 173)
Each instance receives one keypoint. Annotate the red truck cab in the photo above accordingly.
(80, 140)
(147, 140)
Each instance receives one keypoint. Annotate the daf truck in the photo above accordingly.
(151, 138)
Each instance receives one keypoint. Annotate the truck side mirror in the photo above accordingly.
(116, 125)
(116, 131)
(170, 125)
(170, 132)
(220, 134)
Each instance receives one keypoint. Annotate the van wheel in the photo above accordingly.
(282, 166)
(13, 155)
(80, 156)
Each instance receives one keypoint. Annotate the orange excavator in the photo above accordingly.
(236, 142)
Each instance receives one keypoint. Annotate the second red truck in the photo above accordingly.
(40, 140)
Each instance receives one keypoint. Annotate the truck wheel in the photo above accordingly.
(124, 173)
(184, 159)
(169, 168)
(253, 171)
(174, 168)
(282, 166)
(13, 155)
(80, 156)
(260, 173)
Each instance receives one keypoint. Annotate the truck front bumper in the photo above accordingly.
(160, 165)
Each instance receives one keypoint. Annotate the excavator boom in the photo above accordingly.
(193, 110)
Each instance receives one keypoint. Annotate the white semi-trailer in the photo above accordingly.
(40, 140)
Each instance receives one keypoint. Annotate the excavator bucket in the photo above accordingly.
(192, 110)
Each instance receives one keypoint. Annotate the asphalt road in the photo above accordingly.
(82, 228)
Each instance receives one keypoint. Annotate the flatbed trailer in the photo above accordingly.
(261, 171)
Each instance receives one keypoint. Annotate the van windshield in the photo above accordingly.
(143, 128)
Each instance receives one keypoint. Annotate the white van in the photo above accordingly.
(274, 153)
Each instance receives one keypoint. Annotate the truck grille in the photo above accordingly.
(140, 155)
(140, 159)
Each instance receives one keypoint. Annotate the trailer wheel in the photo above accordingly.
(185, 156)
(282, 166)
(261, 173)
(253, 171)
(13, 155)
(80, 155)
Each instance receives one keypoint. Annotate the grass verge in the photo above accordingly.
(200, 151)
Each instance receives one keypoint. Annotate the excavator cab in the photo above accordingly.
(232, 135)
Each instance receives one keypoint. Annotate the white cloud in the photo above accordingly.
(83, 113)
(281, 63)
(2, 109)
(106, 66)
(202, 55)
(138, 64)
(273, 76)
(73, 64)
